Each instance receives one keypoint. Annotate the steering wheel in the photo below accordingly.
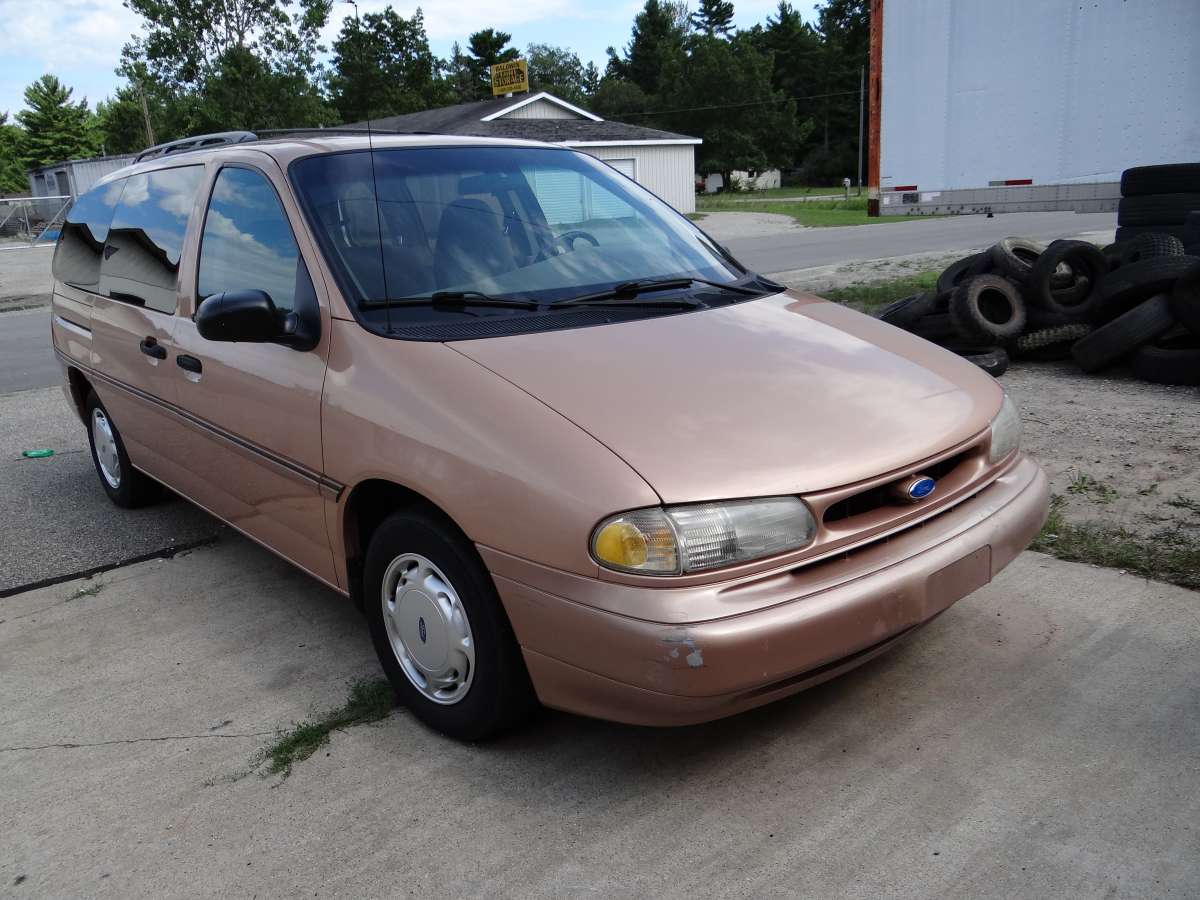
(568, 238)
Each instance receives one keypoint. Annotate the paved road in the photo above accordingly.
(806, 247)
(57, 519)
(26, 359)
(1037, 740)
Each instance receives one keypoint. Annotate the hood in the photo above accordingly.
(780, 395)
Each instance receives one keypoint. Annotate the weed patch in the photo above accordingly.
(369, 701)
(1169, 555)
(1085, 485)
(873, 296)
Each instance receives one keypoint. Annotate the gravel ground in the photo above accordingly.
(727, 225)
(1138, 443)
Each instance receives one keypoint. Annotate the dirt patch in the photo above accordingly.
(1119, 451)
(727, 226)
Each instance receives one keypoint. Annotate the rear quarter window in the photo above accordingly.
(81, 244)
(145, 239)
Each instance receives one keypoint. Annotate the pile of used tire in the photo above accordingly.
(1136, 301)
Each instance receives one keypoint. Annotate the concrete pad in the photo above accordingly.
(1039, 739)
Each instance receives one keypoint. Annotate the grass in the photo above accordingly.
(1170, 555)
(1085, 485)
(875, 295)
(812, 213)
(369, 701)
(796, 191)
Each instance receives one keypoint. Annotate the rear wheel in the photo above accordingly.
(124, 484)
(440, 631)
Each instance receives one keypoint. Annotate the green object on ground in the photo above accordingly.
(37, 454)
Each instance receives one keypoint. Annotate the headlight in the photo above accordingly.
(681, 539)
(1006, 431)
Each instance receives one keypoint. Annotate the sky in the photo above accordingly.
(80, 41)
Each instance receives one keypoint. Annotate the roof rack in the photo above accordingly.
(198, 142)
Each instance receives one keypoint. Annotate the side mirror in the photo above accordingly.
(250, 317)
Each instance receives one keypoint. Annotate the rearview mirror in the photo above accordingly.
(251, 317)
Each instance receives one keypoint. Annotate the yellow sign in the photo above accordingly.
(510, 77)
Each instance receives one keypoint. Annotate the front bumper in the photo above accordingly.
(813, 623)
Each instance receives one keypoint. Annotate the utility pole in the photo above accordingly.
(146, 116)
(862, 94)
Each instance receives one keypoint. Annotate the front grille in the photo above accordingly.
(880, 496)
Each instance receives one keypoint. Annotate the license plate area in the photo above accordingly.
(950, 584)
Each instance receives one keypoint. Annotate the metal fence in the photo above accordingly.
(29, 221)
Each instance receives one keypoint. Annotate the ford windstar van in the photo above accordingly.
(556, 442)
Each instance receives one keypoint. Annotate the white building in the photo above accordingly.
(662, 162)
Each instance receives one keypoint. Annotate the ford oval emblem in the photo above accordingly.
(421, 629)
(921, 487)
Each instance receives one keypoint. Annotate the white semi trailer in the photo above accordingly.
(1018, 105)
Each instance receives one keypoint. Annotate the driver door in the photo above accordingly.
(255, 408)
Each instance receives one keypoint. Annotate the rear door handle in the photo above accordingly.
(152, 347)
(189, 363)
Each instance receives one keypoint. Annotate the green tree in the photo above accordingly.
(616, 98)
(655, 46)
(383, 67)
(231, 61)
(845, 30)
(714, 17)
(469, 73)
(55, 128)
(12, 170)
(723, 94)
(561, 72)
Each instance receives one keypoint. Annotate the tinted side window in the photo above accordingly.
(247, 242)
(81, 244)
(141, 258)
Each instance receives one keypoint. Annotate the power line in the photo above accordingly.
(665, 112)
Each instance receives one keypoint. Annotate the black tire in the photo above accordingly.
(993, 360)
(1172, 360)
(1185, 301)
(1087, 265)
(1186, 233)
(132, 488)
(1148, 246)
(936, 327)
(1169, 179)
(1123, 289)
(987, 309)
(952, 277)
(904, 312)
(1157, 209)
(1040, 319)
(1124, 334)
(1013, 257)
(1049, 343)
(499, 695)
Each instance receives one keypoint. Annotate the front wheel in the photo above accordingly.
(439, 629)
(124, 484)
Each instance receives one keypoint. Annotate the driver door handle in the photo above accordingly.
(152, 347)
(189, 363)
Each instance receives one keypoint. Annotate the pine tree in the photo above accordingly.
(55, 128)
(714, 17)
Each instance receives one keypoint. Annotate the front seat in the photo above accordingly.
(471, 245)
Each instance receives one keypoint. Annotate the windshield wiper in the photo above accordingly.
(625, 293)
(452, 300)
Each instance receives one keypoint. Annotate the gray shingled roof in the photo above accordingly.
(465, 119)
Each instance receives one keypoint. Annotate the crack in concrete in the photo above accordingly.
(67, 745)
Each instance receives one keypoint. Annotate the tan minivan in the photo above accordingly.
(558, 443)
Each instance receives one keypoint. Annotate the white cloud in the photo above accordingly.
(66, 33)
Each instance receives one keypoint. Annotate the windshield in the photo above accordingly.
(501, 222)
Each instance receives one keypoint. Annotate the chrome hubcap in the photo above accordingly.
(428, 629)
(106, 449)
